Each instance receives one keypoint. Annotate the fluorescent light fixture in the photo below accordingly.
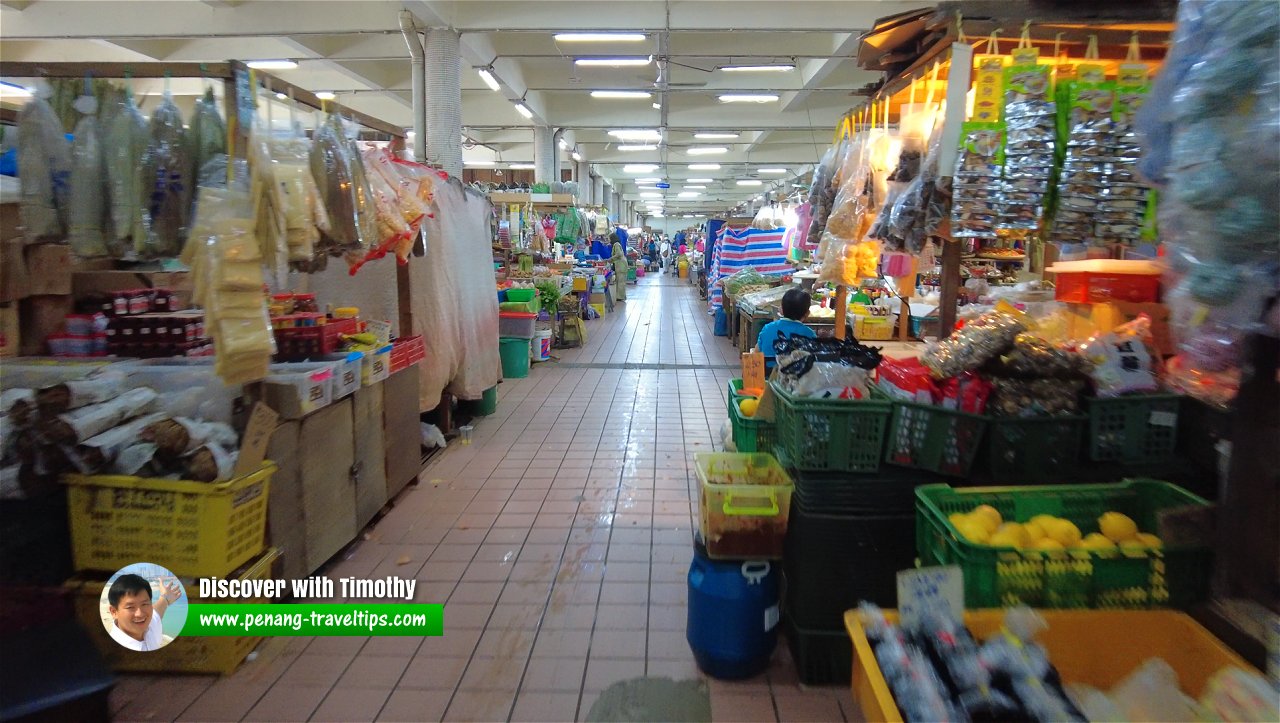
(695, 188)
(748, 98)
(479, 163)
(750, 182)
(564, 145)
(326, 94)
(639, 168)
(272, 64)
(488, 78)
(772, 170)
(699, 180)
(714, 136)
(704, 166)
(648, 180)
(614, 62)
(657, 106)
(577, 156)
(620, 94)
(523, 110)
(706, 150)
(600, 37)
(282, 96)
(633, 147)
(688, 194)
(774, 67)
(651, 194)
(522, 166)
(637, 135)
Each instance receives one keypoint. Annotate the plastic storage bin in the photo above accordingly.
(822, 657)
(516, 325)
(1176, 576)
(1139, 429)
(187, 387)
(186, 654)
(515, 357)
(375, 366)
(1033, 449)
(346, 372)
(744, 505)
(1103, 280)
(196, 529)
(929, 437)
(298, 389)
(1093, 647)
(825, 435)
(521, 294)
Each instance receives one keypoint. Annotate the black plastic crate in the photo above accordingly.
(822, 657)
(887, 492)
(833, 562)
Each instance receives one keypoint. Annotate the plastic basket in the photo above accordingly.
(822, 657)
(185, 654)
(932, 438)
(407, 351)
(891, 491)
(195, 529)
(1091, 647)
(833, 562)
(873, 328)
(521, 294)
(749, 434)
(825, 435)
(1033, 449)
(1139, 429)
(304, 342)
(744, 502)
(1176, 576)
(517, 326)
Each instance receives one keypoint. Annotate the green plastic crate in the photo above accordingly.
(932, 438)
(749, 434)
(1140, 429)
(995, 577)
(1033, 450)
(818, 435)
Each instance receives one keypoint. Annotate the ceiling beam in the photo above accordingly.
(304, 46)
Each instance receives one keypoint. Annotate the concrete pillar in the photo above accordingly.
(597, 194)
(444, 100)
(544, 155)
(582, 174)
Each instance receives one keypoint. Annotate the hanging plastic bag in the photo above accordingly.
(304, 211)
(162, 184)
(337, 169)
(44, 171)
(206, 137)
(269, 206)
(126, 143)
(88, 216)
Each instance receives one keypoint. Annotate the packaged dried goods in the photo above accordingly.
(44, 171)
(162, 184)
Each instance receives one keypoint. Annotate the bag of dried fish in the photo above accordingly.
(126, 142)
(210, 463)
(337, 169)
(44, 171)
(162, 184)
(88, 216)
(18, 406)
(178, 436)
(96, 453)
(80, 424)
(973, 345)
(59, 398)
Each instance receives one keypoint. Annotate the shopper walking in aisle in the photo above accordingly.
(619, 269)
(666, 253)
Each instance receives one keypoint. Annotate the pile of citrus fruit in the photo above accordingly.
(983, 525)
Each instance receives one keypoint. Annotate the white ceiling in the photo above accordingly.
(355, 48)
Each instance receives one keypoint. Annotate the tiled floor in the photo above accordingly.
(558, 541)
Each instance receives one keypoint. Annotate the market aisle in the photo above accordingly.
(559, 541)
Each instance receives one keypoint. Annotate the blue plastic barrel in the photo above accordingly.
(733, 615)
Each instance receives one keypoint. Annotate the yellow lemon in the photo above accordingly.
(955, 518)
(1041, 520)
(1047, 543)
(989, 515)
(1097, 541)
(1005, 537)
(1034, 530)
(1117, 527)
(973, 530)
(1064, 532)
(1017, 531)
(1148, 540)
(748, 407)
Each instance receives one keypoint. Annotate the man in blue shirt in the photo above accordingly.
(795, 307)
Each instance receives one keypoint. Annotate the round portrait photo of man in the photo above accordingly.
(144, 606)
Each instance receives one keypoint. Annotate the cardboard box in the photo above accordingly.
(48, 269)
(13, 270)
(41, 316)
(88, 283)
(10, 340)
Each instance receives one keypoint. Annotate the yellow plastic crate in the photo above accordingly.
(194, 529)
(1094, 647)
(185, 654)
(873, 328)
(580, 283)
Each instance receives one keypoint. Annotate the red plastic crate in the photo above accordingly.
(1091, 287)
(406, 352)
(298, 343)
